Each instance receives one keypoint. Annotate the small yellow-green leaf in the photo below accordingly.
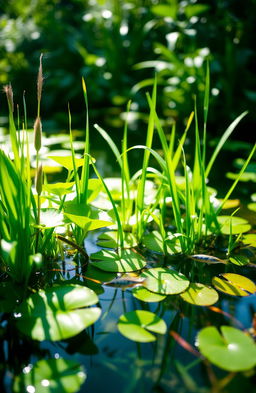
(67, 161)
(238, 224)
(126, 261)
(87, 223)
(138, 325)
(252, 206)
(146, 296)
(59, 189)
(200, 295)
(164, 281)
(234, 284)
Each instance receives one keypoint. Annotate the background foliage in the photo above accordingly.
(118, 46)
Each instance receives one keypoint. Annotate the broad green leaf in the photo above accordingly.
(250, 239)
(138, 325)
(57, 313)
(233, 350)
(86, 223)
(195, 9)
(109, 240)
(252, 206)
(234, 284)
(125, 261)
(164, 281)
(239, 260)
(67, 162)
(146, 296)
(239, 225)
(200, 295)
(59, 189)
(154, 242)
(9, 295)
(165, 10)
(51, 376)
(99, 275)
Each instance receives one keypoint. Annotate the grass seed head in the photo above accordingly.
(39, 180)
(37, 134)
(40, 79)
(9, 94)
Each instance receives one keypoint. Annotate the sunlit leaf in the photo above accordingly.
(252, 206)
(239, 260)
(109, 240)
(234, 284)
(51, 376)
(154, 242)
(124, 261)
(239, 225)
(86, 223)
(200, 295)
(57, 313)
(138, 325)
(232, 351)
(245, 177)
(67, 161)
(59, 189)
(230, 203)
(146, 296)
(164, 281)
(250, 239)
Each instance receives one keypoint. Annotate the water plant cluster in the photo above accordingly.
(161, 233)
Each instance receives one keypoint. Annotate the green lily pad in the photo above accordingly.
(252, 206)
(200, 295)
(99, 275)
(67, 161)
(125, 261)
(250, 239)
(138, 325)
(57, 313)
(232, 351)
(146, 296)
(51, 376)
(240, 260)
(164, 281)
(109, 240)
(153, 241)
(234, 284)
(239, 225)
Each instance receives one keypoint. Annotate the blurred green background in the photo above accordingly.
(118, 46)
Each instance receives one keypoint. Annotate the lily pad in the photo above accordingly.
(138, 325)
(109, 240)
(200, 295)
(57, 313)
(232, 351)
(252, 206)
(240, 260)
(146, 296)
(239, 225)
(154, 242)
(165, 281)
(51, 218)
(250, 239)
(234, 284)
(51, 376)
(125, 261)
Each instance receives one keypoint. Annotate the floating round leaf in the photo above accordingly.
(239, 260)
(154, 242)
(51, 218)
(232, 351)
(165, 281)
(51, 376)
(234, 284)
(125, 261)
(57, 313)
(250, 239)
(238, 224)
(252, 206)
(200, 295)
(109, 239)
(146, 296)
(138, 325)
